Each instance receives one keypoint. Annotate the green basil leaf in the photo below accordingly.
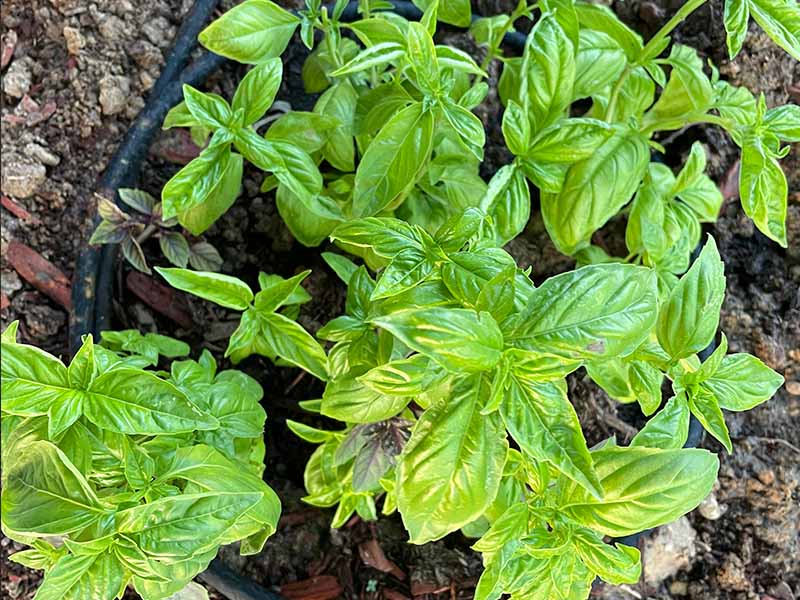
(252, 32)
(542, 421)
(452, 12)
(763, 189)
(569, 141)
(508, 202)
(458, 339)
(668, 429)
(393, 161)
(600, 60)
(352, 401)
(293, 343)
(375, 56)
(44, 494)
(595, 189)
(276, 291)
(136, 402)
(403, 377)
(32, 380)
(688, 320)
(615, 564)
(451, 468)
(781, 21)
(256, 92)
(224, 290)
(784, 122)
(210, 110)
(645, 488)
(548, 65)
(339, 102)
(197, 219)
(193, 184)
(736, 16)
(704, 406)
(595, 311)
(178, 527)
(516, 128)
(97, 576)
(598, 17)
(742, 382)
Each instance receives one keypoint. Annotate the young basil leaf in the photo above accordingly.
(32, 380)
(256, 92)
(352, 401)
(507, 201)
(598, 17)
(615, 564)
(569, 141)
(458, 339)
(668, 429)
(451, 467)
(742, 382)
(600, 59)
(375, 56)
(252, 32)
(688, 321)
(276, 291)
(452, 12)
(677, 481)
(220, 289)
(704, 406)
(209, 109)
(175, 248)
(784, 122)
(294, 344)
(516, 128)
(339, 102)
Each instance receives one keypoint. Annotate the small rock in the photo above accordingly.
(74, 39)
(17, 80)
(21, 175)
(668, 551)
(114, 93)
(767, 476)
(159, 31)
(42, 154)
(10, 283)
(793, 387)
(710, 508)
(731, 575)
(112, 28)
(145, 54)
(679, 588)
(146, 80)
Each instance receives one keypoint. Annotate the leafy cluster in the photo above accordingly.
(448, 370)
(117, 475)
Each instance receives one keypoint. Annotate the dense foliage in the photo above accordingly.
(447, 372)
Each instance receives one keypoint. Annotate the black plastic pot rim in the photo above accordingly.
(92, 285)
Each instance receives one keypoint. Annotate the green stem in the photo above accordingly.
(517, 14)
(676, 20)
(615, 92)
(651, 128)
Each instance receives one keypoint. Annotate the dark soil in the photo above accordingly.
(747, 549)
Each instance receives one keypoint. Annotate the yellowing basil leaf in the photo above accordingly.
(393, 161)
(457, 339)
(252, 32)
(451, 467)
(596, 311)
(644, 488)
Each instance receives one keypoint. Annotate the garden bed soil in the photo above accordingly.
(79, 72)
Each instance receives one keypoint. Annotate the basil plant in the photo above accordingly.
(116, 474)
(447, 373)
